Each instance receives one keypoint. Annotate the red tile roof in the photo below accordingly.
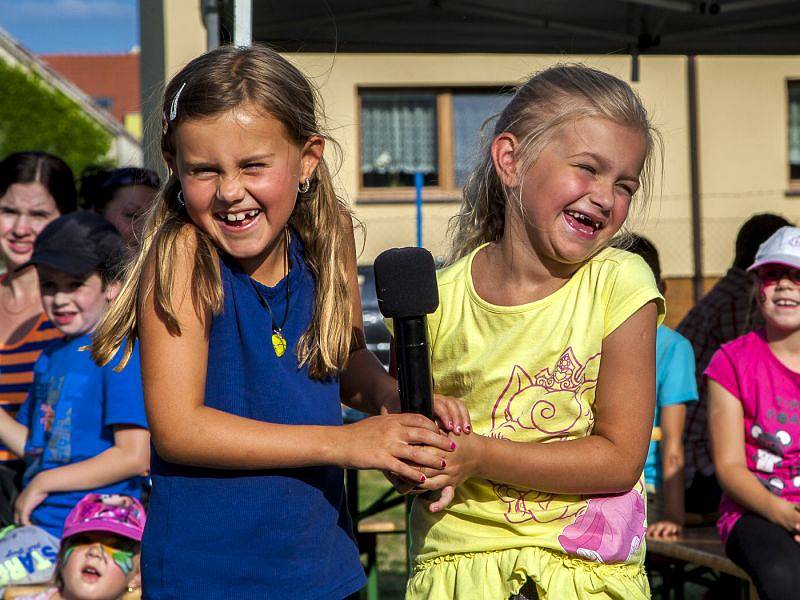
(114, 76)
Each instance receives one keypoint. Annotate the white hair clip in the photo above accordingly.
(173, 108)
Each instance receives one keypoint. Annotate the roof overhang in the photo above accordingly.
(527, 26)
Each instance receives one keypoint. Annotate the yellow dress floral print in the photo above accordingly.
(529, 373)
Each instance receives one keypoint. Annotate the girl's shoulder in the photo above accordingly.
(748, 344)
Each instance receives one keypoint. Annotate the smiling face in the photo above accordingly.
(577, 193)
(25, 209)
(126, 208)
(74, 304)
(97, 567)
(239, 173)
(779, 297)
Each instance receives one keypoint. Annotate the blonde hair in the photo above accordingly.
(538, 110)
(212, 84)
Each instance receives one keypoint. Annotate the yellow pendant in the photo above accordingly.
(278, 343)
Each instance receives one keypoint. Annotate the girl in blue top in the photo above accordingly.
(245, 298)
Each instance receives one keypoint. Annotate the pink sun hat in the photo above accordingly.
(114, 513)
(782, 247)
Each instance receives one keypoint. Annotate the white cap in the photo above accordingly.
(783, 247)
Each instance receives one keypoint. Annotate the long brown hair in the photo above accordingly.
(212, 84)
(539, 108)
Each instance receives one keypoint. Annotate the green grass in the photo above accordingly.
(391, 547)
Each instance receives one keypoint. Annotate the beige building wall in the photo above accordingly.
(661, 86)
(743, 137)
(742, 105)
(184, 34)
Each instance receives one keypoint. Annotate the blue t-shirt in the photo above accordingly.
(675, 384)
(262, 533)
(70, 413)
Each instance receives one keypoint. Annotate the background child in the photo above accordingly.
(122, 196)
(675, 387)
(727, 311)
(248, 312)
(550, 491)
(82, 427)
(754, 419)
(99, 556)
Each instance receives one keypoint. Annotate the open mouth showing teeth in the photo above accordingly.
(786, 302)
(582, 224)
(237, 219)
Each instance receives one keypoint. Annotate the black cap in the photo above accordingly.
(78, 243)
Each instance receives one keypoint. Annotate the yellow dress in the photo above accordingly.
(529, 373)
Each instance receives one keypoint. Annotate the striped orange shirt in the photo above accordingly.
(16, 369)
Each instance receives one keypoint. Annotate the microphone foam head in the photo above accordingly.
(405, 282)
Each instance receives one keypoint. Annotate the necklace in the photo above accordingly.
(278, 339)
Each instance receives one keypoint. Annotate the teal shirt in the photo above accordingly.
(675, 384)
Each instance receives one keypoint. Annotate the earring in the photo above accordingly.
(180, 199)
(305, 186)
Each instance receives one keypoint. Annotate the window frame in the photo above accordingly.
(446, 190)
(793, 182)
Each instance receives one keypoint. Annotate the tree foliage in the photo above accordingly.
(34, 116)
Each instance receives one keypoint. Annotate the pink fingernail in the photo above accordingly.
(452, 445)
(458, 429)
(444, 464)
(422, 478)
(467, 428)
(450, 425)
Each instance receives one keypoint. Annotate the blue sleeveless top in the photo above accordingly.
(281, 533)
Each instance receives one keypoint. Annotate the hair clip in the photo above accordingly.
(173, 109)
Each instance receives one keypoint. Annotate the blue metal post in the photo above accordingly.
(418, 188)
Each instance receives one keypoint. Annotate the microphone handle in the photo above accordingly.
(414, 365)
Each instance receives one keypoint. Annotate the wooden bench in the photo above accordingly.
(697, 556)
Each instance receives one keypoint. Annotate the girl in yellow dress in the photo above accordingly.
(548, 335)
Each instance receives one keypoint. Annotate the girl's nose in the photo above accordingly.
(230, 189)
(603, 198)
(22, 226)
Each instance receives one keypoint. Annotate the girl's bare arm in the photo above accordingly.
(609, 460)
(186, 431)
(726, 425)
(365, 385)
(13, 434)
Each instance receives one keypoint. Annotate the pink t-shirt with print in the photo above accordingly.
(770, 396)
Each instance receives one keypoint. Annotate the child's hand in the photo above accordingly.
(403, 444)
(452, 414)
(31, 497)
(786, 514)
(460, 465)
(664, 529)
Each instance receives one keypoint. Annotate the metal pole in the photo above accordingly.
(694, 167)
(418, 189)
(242, 22)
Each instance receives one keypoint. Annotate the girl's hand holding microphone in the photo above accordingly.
(452, 418)
(400, 443)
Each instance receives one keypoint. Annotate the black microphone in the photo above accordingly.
(405, 282)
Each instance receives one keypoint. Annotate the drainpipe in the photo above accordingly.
(210, 11)
(694, 166)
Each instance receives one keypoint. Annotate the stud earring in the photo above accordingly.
(305, 186)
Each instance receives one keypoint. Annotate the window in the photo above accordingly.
(794, 130)
(435, 132)
(398, 138)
